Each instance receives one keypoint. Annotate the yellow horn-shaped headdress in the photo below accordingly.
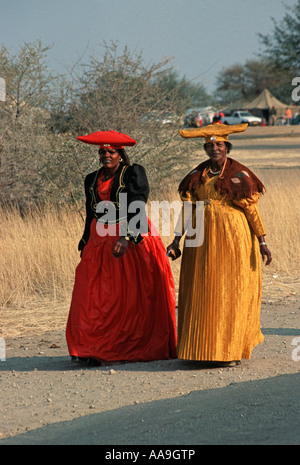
(213, 132)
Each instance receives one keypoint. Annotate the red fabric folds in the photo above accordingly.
(123, 308)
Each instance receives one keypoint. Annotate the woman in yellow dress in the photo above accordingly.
(220, 279)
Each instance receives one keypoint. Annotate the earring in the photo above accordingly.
(121, 160)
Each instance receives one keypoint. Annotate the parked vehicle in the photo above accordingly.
(168, 119)
(193, 116)
(164, 119)
(189, 117)
(241, 116)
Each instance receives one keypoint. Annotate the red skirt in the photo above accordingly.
(123, 309)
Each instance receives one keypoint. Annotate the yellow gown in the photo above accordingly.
(220, 281)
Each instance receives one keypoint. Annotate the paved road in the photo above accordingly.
(255, 412)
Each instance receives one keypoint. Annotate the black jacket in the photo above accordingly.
(130, 180)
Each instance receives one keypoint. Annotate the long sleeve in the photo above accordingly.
(137, 188)
(250, 207)
(185, 216)
(88, 211)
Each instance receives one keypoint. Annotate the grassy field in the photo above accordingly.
(38, 252)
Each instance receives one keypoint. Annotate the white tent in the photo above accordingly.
(264, 101)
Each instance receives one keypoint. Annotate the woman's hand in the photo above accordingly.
(265, 253)
(120, 247)
(173, 250)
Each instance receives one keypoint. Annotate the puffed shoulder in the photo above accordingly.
(248, 201)
(136, 180)
(136, 170)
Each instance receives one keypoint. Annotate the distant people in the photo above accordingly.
(295, 118)
(198, 120)
(281, 120)
(272, 115)
(217, 119)
(263, 122)
(288, 116)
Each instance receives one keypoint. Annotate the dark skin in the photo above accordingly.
(217, 152)
(111, 159)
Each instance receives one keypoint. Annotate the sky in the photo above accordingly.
(202, 36)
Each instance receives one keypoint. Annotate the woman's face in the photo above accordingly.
(109, 158)
(216, 150)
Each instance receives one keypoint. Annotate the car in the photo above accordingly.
(241, 116)
(193, 116)
(165, 119)
(168, 119)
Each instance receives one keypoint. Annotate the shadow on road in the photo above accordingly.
(255, 412)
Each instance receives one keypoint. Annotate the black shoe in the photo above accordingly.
(85, 361)
(76, 359)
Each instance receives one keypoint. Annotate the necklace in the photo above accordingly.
(214, 172)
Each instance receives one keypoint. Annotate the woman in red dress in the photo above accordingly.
(123, 302)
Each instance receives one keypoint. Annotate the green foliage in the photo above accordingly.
(244, 82)
(41, 158)
(282, 47)
(274, 69)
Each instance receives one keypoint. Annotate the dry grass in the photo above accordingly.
(37, 262)
(280, 211)
(38, 255)
(281, 215)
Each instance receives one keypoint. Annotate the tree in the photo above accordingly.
(282, 47)
(259, 75)
(231, 86)
(41, 158)
(24, 118)
(188, 93)
(118, 91)
(244, 82)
